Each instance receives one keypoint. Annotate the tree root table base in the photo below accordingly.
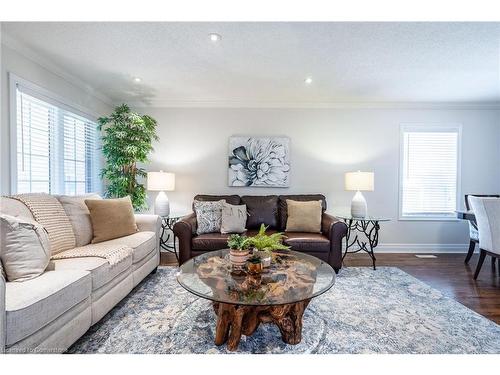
(236, 320)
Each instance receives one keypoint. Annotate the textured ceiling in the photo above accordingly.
(266, 63)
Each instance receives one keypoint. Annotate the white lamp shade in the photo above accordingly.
(161, 181)
(359, 181)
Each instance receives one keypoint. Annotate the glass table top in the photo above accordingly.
(346, 215)
(175, 215)
(292, 277)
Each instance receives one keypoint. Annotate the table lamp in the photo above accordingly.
(359, 181)
(162, 182)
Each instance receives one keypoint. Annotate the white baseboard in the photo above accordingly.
(421, 248)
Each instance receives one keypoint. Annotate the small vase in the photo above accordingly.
(265, 258)
(254, 268)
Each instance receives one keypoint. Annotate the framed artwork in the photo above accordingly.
(259, 161)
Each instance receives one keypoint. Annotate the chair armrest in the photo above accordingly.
(148, 223)
(3, 328)
(335, 230)
(184, 230)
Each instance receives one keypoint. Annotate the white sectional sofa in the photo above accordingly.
(50, 312)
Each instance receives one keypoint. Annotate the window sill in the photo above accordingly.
(426, 218)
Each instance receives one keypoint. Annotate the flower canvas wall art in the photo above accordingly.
(259, 161)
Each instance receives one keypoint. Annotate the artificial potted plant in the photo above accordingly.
(265, 244)
(127, 139)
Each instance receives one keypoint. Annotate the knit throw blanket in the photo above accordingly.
(113, 253)
(48, 212)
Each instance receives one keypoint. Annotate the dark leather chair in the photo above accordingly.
(473, 231)
(272, 211)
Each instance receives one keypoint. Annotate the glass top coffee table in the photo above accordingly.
(278, 295)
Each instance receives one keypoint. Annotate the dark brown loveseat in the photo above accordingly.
(272, 211)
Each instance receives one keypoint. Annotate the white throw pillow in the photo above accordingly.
(234, 218)
(208, 216)
(79, 216)
(24, 248)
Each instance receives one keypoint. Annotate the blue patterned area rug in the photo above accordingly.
(366, 311)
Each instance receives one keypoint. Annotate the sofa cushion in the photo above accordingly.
(142, 244)
(24, 248)
(34, 303)
(261, 209)
(79, 216)
(307, 242)
(111, 218)
(231, 199)
(210, 241)
(217, 241)
(100, 270)
(282, 207)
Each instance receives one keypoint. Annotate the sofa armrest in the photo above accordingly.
(335, 230)
(184, 230)
(149, 223)
(3, 328)
(146, 222)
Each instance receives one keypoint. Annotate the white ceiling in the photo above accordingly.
(265, 64)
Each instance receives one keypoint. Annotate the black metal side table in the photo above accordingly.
(167, 226)
(362, 234)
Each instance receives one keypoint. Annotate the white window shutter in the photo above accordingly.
(57, 149)
(430, 173)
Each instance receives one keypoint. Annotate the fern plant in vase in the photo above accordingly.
(127, 139)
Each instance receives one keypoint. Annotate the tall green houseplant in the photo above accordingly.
(126, 140)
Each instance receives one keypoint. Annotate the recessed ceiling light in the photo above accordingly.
(308, 80)
(214, 37)
(137, 79)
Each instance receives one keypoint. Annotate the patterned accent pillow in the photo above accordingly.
(208, 216)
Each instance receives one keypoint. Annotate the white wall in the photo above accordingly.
(28, 69)
(325, 143)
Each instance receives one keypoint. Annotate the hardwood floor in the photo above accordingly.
(446, 273)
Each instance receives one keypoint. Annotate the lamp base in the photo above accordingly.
(358, 205)
(162, 205)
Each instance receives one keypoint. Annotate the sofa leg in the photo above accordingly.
(336, 270)
(154, 271)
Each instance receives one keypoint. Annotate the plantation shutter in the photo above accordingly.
(57, 148)
(430, 173)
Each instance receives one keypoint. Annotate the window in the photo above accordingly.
(56, 146)
(429, 172)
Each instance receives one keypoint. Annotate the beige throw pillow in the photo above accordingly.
(303, 216)
(234, 218)
(111, 218)
(79, 216)
(24, 248)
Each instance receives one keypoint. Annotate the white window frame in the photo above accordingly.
(429, 127)
(45, 95)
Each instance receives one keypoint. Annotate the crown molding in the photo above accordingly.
(158, 103)
(37, 58)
